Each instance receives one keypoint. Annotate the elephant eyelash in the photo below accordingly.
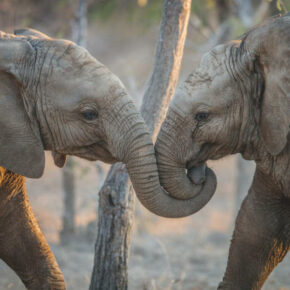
(201, 117)
(90, 115)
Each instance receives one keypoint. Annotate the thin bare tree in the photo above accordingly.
(275, 7)
(116, 201)
(79, 30)
(224, 31)
(80, 23)
(245, 12)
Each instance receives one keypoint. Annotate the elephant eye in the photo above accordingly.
(201, 116)
(90, 115)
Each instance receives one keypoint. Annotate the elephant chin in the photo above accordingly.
(100, 152)
(59, 159)
(93, 152)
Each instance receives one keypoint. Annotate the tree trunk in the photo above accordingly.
(116, 201)
(79, 26)
(245, 12)
(116, 209)
(68, 218)
(224, 31)
(274, 7)
(223, 8)
(79, 29)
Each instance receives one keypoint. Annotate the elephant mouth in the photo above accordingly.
(197, 174)
(96, 151)
(92, 152)
(196, 166)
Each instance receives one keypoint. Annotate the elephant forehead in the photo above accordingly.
(211, 72)
(70, 90)
(81, 67)
(66, 58)
(219, 92)
(213, 62)
(72, 63)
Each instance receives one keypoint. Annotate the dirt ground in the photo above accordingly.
(182, 254)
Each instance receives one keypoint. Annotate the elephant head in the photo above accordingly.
(237, 100)
(55, 96)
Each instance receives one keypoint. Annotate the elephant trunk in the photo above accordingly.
(197, 185)
(140, 160)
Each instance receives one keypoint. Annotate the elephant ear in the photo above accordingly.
(31, 32)
(275, 111)
(21, 149)
(270, 43)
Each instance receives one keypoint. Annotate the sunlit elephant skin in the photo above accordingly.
(238, 101)
(55, 96)
(22, 245)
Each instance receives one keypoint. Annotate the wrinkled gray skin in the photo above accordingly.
(238, 100)
(57, 87)
(55, 96)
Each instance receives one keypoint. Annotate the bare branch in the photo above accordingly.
(79, 31)
(116, 201)
(168, 58)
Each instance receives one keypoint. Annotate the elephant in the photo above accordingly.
(54, 96)
(237, 101)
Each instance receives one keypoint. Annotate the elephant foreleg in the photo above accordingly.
(261, 237)
(22, 245)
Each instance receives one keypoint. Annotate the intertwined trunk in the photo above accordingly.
(116, 201)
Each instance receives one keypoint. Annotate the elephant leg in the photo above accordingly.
(22, 245)
(261, 237)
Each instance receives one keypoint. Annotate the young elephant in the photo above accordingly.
(55, 96)
(238, 100)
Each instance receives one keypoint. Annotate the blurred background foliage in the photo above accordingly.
(16, 13)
